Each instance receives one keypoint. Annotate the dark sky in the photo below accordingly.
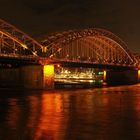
(37, 17)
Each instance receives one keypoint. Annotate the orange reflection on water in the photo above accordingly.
(101, 113)
(13, 113)
(51, 116)
(34, 105)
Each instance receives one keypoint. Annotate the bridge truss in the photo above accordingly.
(89, 46)
(14, 42)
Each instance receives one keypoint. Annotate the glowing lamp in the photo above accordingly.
(58, 65)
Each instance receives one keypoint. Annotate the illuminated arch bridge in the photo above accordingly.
(89, 46)
(94, 46)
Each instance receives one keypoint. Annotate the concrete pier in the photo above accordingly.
(31, 77)
(28, 77)
(48, 77)
(138, 75)
(122, 77)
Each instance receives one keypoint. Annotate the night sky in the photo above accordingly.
(38, 17)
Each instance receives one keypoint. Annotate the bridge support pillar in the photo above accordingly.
(38, 77)
(28, 77)
(32, 76)
(122, 77)
(48, 76)
(138, 75)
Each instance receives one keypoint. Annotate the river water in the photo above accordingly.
(111, 113)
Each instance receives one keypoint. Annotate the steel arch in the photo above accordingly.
(59, 41)
(20, 38)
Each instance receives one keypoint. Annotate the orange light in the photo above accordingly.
(58, 65)
(138, 75)
(48, 70)
(104, 84)
(49, 122)
(104, 75)
(48, 76)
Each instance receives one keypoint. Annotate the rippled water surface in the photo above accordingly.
(84, 114)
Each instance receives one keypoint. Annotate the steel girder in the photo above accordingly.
(20, 39)
(58, 41)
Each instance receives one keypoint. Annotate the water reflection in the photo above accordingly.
(87, 114)
(13, 113)
(50, 120)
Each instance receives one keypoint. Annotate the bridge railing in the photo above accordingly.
(44, 61)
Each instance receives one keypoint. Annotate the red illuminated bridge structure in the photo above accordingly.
(91, 47)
